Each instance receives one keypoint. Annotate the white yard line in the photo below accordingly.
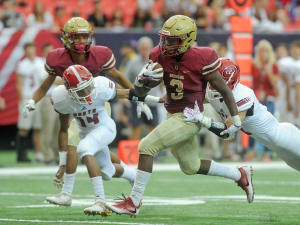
(74, 221)
(157, 167)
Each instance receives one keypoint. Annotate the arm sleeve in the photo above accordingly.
(110, 61)
(244, 99)
(107, 89)
(212, 62)
(48, 65)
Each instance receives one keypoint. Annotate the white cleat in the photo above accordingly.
(97, 209)
(62, 198)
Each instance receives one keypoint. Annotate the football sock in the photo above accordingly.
(98, 187)
(218, 169)
(129, 173)
(141, 180)
(69, 183)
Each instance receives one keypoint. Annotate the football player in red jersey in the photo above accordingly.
(77, 38)
(187, 70)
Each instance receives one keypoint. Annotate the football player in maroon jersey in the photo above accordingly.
(186, 71)
(77, 38)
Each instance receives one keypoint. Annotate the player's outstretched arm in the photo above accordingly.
(219, 84)
(132, 96)
(63, 146)
(42, 90)
(119, 78)
(38, 95)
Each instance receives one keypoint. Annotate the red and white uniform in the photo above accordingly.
(96, 128)
(283, 138)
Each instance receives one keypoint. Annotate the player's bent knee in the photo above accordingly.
(189, 169)
(146, 148)
(108, 172)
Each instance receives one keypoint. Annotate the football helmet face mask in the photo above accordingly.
(230, 73)
(80, 84)
(77, 35)
(177, 35)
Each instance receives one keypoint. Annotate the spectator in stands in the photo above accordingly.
(260, 20)
(97, 18)
(117, 21)
(265, 78)
(127, 52)
(281, 51)
(29, 72)
(142, 19)
(9, 17)
(49, 118)
(40, 18)
(202, 18)
(60, 18)
(188, 7)
(133, 68)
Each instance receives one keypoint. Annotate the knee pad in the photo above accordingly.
(108, 171)
(84, 148)
(189, 168)
(146, 147)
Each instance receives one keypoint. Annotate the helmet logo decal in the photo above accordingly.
(229, 72)
(165, 32)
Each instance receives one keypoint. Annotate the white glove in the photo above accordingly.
(233, 129)
(149, 74)
(29, 106)
(142, 107)
(195, 116)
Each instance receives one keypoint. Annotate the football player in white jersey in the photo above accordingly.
(283, 138)
(83, 97)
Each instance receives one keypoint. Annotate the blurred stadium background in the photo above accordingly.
(233, 30)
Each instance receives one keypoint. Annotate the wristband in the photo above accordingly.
(132, 96)
(31, 101)
(62, 158)
(236, 121)
(206, 121)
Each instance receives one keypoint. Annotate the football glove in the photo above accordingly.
(148, 75)
(195, 116)
(233, 129)
(142, 107)
(29, 106)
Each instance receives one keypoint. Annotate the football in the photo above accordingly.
(150, 83)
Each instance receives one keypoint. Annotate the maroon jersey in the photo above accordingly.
(184, 79)
(99, 58)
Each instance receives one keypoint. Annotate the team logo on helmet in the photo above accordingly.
(229, 72)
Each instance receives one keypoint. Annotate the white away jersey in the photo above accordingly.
(260, 122)
(87, 116)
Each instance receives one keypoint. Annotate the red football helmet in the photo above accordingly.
(80, 84)
(230, 72)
